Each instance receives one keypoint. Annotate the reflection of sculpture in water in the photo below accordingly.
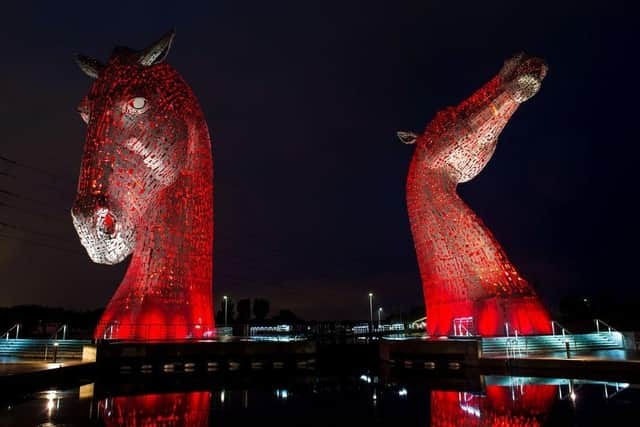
(518, 406)
(146, 187)
(466, 275)
(150, 410)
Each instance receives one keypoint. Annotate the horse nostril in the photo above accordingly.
(105, 222)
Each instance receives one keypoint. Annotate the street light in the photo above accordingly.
(371, 310)
(226, 299)
(379, 316)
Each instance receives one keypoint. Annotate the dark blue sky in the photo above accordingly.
(303, 100)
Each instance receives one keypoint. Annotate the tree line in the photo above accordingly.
(252, 311)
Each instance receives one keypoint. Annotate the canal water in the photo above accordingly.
(359, 400)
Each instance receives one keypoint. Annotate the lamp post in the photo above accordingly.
(379, 317)
(226, 299)
(370, 311)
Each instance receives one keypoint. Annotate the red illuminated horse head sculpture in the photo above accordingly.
(469, 284)
(146, 188)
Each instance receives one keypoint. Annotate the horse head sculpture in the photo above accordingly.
(146, 188)
(470, 286)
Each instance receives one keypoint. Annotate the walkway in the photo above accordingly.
(594, 355)
(15, 367)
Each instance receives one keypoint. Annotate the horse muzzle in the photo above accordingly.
(107, 236)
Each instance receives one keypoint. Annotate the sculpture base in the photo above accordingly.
(153, 331)
(495, 316)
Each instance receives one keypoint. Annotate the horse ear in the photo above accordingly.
(156, 53)
(90, 66)
(407, 137)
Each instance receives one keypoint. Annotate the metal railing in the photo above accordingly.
(462, 326)
(599, 322)
(62, 328)
(46, 351)
(160, 331)
(517, 345)
(462, 331)
(564, 331)
(512, 348)
(15, 328)
(567, 336)
(618, 388)
(54, 337)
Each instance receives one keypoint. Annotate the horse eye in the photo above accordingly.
(137, 105)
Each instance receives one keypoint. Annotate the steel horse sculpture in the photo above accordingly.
(146, 188)
(470, 287)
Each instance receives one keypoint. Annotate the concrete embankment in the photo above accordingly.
(413, 358)
(22, 377)
(463, 354)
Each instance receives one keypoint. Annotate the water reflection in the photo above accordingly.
(151, 410)
(53, 401)
(315, 400)
(517, 406)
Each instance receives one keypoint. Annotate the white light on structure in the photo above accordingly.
(270, 329)
(86, 391)
(365, 378)
(51, 395)
(282, 394)
(470, 410)
(370, 311)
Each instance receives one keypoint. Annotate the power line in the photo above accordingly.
(19, 196)
(30, 212)
(32, 168)
(31, 181)
(36, 243)
(29, 177)
(36, 232)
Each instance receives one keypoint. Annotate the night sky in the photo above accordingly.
(303, 100)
